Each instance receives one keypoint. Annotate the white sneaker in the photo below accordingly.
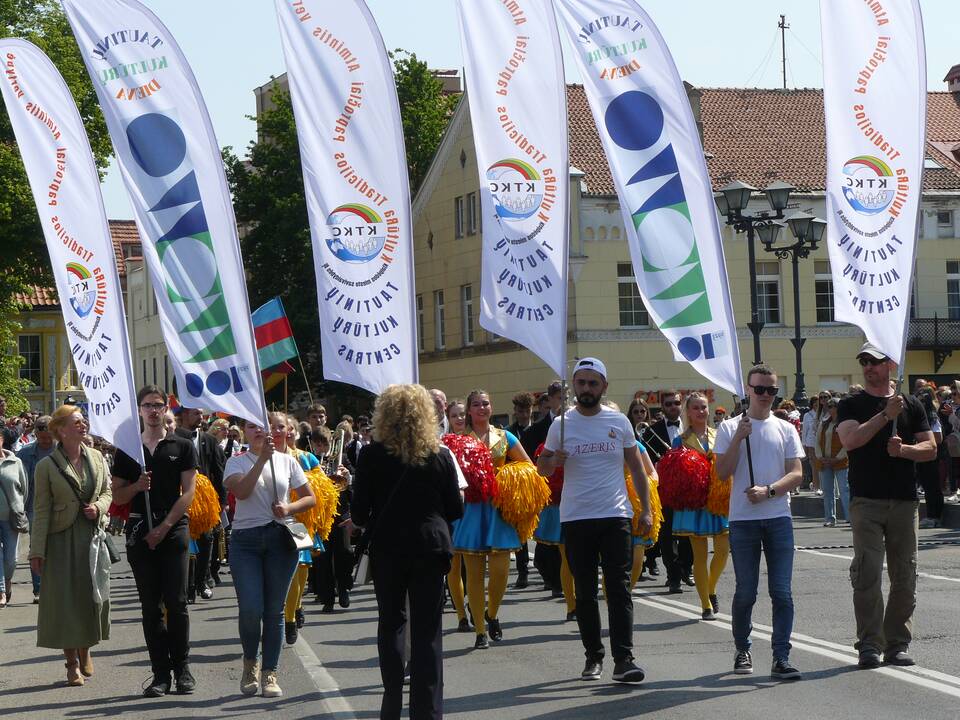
(929, 523)
(268, 685)
(250, 680)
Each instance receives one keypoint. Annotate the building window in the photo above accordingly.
(144, 371)
(458, 216)
(154, 370)
(768, 292)
(73, 379)
(472, 213)
(32, 368)
(466, 312)
(420, 345)
(166, 373)
(823, 291)
(633, 313)
(944, 223)
(953, 289)
(439, 321)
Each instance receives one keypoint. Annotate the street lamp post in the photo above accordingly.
(732, 201)
(808, 231)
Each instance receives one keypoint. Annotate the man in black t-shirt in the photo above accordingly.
(883, 506)
(160, 557)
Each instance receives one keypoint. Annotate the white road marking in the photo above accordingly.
(922, 677)
(333, 703)
(929, 576)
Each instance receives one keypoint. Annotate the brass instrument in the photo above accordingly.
(334, 459)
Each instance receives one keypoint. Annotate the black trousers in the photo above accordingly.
(200, 572)
(334, 566)
(393, 581)
(546, 559)
(605, 542)
(161, 576)
(215, 552)
(928, 473)
(677, 551)
(523, 561)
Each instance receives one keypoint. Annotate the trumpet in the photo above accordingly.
(334, 458)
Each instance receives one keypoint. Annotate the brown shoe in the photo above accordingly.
(86, 662)
(74, 678)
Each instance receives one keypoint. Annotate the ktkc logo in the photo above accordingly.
(356, 233)
(516, 187)
(868, 184)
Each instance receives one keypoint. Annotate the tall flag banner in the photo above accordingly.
(518, 109)
(66, 189)
(173, 172)
(875, 103)
(358, 195)
(647, 128)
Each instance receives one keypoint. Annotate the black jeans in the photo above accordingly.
(546, 559)
(200, 574)
(677, 552)
(393, 581)
(523, 561)
(607, 542)
(335, 565)
(928, 473)
(161, 575)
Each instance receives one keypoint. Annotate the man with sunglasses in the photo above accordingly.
(760, 516)
(883, 506)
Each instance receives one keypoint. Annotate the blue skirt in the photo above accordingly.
(548, 530)
(637, 540)
(194, 548)
(482, 529)
(699, 522)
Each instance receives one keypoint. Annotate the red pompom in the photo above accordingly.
(477, 466)
(119, 511)
(684, 479)
(555, 481)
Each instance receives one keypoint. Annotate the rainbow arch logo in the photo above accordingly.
(516, 188)
(83, 290)
(356, 233)
(868, 184)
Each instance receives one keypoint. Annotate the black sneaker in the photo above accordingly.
(522, 582)
(627, 671)
(300, 618)
(158, 687)
(783, 670)
(291, 632)
(482, 643)
(592, 670)
(493, 625)
(464, 626)
(186, 683)
(715, 604)
(572, 616)
(687, 580)
(869, 659)
(674, 589)
(344, 598)
(708, 615)
(206, 593)
(900, 658)
(327, 608)
(743, 663)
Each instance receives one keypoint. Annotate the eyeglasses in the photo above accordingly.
(153, 406)
(770, 390)
(872, 361)
(671, 403)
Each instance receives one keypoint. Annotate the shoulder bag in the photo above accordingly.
(299, 535)
(361, 574)
(111, 544)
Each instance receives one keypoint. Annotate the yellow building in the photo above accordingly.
(756, 136)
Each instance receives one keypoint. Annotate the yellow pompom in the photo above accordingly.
(319, 519)
(656, 511)
(204, 512)
(521, 494)
(718, 494)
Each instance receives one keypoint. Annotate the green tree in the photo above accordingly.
(24, 260)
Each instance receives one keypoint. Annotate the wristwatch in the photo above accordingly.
(771, 491)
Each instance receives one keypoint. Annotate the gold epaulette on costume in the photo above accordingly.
(521, 494)
(319, 519)
(656, 511)
(204, 511)
(718, 494)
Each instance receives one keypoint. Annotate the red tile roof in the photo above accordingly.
(758, 136)
(123, 233)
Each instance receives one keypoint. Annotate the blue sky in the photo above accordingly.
(235, 47)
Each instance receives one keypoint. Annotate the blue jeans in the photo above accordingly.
(775, 537)
(8, 550)
(831, 480)
(262, 562)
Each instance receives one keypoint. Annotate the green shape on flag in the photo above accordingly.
(221, 346)
(695, 313)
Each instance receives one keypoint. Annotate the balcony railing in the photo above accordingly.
(940, 336)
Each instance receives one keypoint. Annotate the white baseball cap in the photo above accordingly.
(591, 363)
(873, 351)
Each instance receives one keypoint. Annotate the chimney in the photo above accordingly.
(953, 80)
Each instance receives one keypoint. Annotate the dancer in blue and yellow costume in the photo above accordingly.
(642, 542)
(550, 532)
(494, 526)
(709, 521)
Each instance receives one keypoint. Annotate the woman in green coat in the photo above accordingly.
(71, 500)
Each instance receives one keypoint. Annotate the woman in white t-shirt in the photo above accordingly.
(263, 556)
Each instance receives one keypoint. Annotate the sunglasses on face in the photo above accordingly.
(671, 403)
(770, 390)
(871, 361)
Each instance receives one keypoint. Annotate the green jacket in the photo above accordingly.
(14, 481)
(55, 505)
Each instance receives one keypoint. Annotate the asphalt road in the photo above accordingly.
(332, 671)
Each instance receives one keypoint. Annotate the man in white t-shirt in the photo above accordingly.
(760, 515)
(595, 513)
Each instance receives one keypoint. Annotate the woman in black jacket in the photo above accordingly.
(405, 494)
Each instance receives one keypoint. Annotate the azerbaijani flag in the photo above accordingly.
(275, 343)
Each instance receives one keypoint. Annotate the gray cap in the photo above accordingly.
(873, 351)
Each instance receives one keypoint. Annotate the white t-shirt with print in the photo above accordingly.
(257, 509)
(593, 484)
(772, 442)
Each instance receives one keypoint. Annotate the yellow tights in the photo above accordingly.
(455, 583)
(705, 579)
(499, 565)
(566, 581)
(295, 593)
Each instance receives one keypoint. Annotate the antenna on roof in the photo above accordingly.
(783, 46)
